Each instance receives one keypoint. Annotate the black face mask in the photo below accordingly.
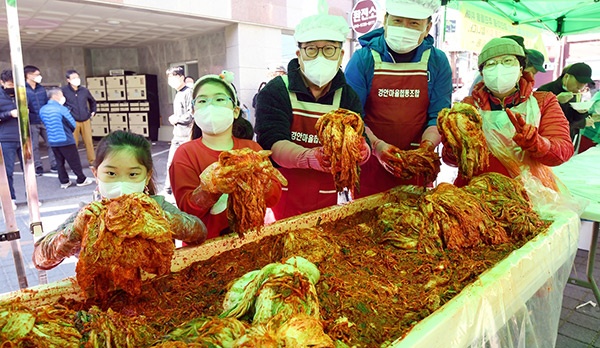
(10, 91)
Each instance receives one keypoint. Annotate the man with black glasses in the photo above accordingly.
(403, 81)
(289, 106)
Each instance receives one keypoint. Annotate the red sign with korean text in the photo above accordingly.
(364, 16)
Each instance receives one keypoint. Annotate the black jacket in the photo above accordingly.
(80, 102)
(576, 119)
(274, 109)
(9, 126)
(36, 98)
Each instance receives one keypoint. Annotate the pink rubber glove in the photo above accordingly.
(291, 155)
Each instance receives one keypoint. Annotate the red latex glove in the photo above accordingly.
(204, 199)
(365, 151)
(526, 135)
(386, 154)
(447, 152)
(207, 193)
(427, 145)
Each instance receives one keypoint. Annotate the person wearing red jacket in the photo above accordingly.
(217, 127)
(523, 129)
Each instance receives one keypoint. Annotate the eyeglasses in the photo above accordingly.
(508, 61)
(328, 51)
(218, 100)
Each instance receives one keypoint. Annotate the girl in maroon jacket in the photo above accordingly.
(524, 130)
(218, 127)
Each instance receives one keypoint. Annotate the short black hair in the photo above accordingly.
(71, 71)
(6, 75)
(176, 71)
(28, 69)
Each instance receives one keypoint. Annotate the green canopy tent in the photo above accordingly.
(561, 17)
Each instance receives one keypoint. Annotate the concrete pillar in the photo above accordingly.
(248, 57)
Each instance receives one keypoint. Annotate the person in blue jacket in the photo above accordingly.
(60, 126)
(403, 81)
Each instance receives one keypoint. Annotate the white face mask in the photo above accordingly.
(190, 85)
(62, 100)
(116, 189)
(320, 70)
(38, 79)
(214, 119)
(76, 82)
(501, 79)
(174, 82)
(402, 40)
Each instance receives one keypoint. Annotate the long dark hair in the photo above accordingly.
(138, 145)
(242, 128)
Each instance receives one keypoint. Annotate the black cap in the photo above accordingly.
(582, 72)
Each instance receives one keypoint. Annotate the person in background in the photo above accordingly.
(403, 82)
(289, 106)
(189, 82)
(567, 88)
(272, 73)
(82, 106)
(123, 165)
(60, 125)
(182, 118)
(538, 135)
(535, 61)
(10, 138)
(218, 127)
(590, 136)
(36, 98)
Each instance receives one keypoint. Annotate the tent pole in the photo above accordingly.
(12, 233)
(560, 64)
(16, 56)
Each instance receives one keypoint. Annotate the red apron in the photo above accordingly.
(396, 112)
(307, 189)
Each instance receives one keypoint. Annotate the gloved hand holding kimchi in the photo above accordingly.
(129, 230)
(244, 176)
(406, 164)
